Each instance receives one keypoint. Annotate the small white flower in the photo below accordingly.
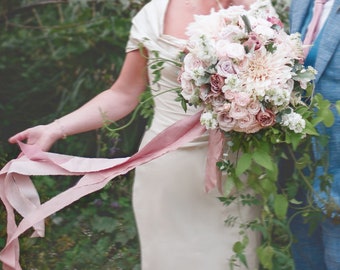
(294, 122)
(208, 119)
(231, 82)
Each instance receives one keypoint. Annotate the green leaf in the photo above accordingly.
(310, 129)
(324, 111)
(238, 247)
(268, 186)
(280, 206)
(294, 139)
(328, 117)
(229, 185)
(243, 163)
(246, 23)
(243, 259)
(294, 201)
(337, 106)
(265, 255)
(264, 159)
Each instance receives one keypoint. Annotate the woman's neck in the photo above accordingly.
(204, 6)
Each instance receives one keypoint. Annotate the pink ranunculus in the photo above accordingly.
(242, 99)
(225, 122)
(216, 82)
(225, 67)
(266, 118)
(254, 107)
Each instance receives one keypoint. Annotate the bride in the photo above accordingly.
(180, 225)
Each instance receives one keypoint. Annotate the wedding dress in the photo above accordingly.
(181, 227)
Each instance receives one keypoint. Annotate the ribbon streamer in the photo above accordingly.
(18, 193)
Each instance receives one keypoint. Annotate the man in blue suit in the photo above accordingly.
(321, 249)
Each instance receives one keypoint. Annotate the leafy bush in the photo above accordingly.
(55, 55)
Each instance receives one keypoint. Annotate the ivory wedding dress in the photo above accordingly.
(181, 227)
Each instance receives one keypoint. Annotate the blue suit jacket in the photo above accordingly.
(328, 78)
(328, 52)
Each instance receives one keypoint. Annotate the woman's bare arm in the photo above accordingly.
(111, 104)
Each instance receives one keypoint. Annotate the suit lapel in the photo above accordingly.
(330, 39)
(298, 13)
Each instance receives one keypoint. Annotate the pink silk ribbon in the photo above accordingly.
(18, 193)
(213, 175)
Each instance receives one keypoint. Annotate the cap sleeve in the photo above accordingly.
(146, 25)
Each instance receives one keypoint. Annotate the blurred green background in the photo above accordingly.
(54, 56)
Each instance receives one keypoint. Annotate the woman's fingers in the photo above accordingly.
(21, 136)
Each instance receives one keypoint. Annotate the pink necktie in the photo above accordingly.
(313, 25)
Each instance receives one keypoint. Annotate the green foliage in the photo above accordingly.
(56, 55)
(97, 232)
(258, 157)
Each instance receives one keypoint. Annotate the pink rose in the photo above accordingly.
(242, 99)
(248, 124)
(235, 51)
(237, 111)
(226, 48)
(255, 127)
(216, 82)
(225, 67)
(217, 101)
(229, 95)
(192, 63)
(266, 118)
(225, 122)
(254, 107)
(224, 107)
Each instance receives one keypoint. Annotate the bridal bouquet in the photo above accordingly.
(246, 71)
(247, 75)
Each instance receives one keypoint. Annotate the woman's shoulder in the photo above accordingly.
(154, 5)
(147, 24)
(153, 10)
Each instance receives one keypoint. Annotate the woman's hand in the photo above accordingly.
(43, 136)
(111, 104)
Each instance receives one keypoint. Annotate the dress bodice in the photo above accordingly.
(148, 29)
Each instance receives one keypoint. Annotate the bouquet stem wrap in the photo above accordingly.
(18, 193)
